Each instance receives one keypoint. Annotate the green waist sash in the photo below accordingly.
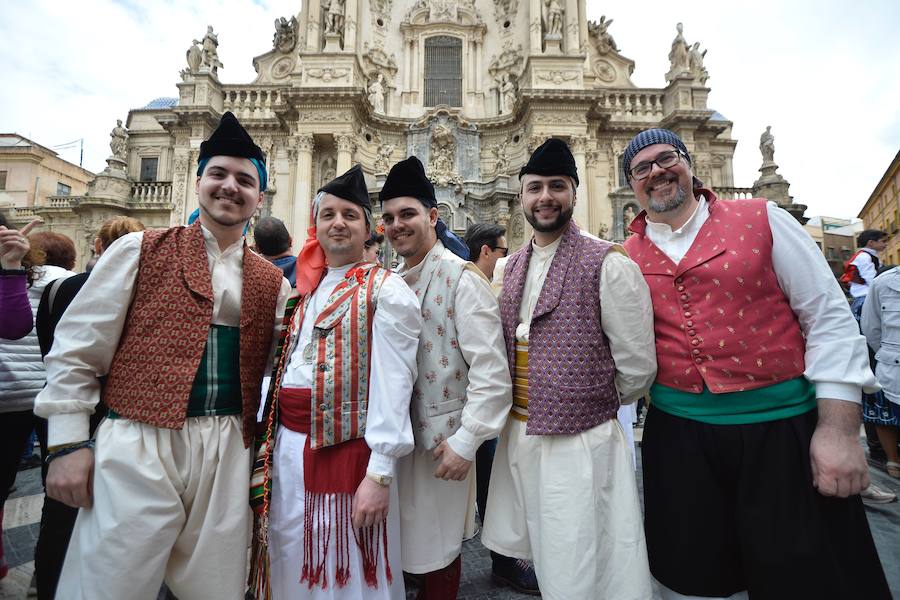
(217, 386)
(779, 401)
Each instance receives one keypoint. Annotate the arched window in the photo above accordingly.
(443, 71)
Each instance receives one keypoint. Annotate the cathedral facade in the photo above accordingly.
(471, 87)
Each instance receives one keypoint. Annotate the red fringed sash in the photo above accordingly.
(334, 470)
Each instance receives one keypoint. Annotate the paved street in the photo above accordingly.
(22, 516)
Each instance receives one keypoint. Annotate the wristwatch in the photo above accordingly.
(382, 480)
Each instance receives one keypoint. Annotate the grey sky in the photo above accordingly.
(825, 75)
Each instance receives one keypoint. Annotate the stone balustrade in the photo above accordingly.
(733, 193)
(640, 104)
(251, 102)
(152, 192)
(57, 202)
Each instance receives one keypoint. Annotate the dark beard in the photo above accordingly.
(661, 206)
(561, 221)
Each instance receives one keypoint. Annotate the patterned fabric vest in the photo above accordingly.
(342, 344)
(571, 373)
(439, 392)
(165, 333)
(721, 319)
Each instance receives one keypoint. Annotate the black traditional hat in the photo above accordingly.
(230, 139)
(553, 157)
(350, 186)
(407, 178)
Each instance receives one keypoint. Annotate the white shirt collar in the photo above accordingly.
(212, 244)
(696, 220)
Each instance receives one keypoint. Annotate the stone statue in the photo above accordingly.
(118, 140)
(679, 62)
(767, 145)
(628, 216)
(383, 158)
(285, 34)
(604, 41)
(209, 52)
(695, 63)
(334, 17)
(507, 94)
(553, 19)
(194, 57)
(376, 94)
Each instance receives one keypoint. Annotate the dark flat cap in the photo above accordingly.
(407, 178)
(230, 139)
(350, 186)
(553, 157)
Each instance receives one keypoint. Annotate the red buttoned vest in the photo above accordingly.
(720, 317)
(165, 333)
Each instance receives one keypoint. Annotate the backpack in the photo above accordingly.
(851, 271)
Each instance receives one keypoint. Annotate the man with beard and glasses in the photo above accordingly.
(578, 328)
(340, 418)
(181, 323)
(751, 457)
(461, 397)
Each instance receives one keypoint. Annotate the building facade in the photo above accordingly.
(471, 87)
(882, 210)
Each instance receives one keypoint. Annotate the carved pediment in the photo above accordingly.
(376, 60)
(459, 12)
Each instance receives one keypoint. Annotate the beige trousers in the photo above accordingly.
(168, 505)
(570, 503)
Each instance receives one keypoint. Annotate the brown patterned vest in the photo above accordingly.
(165, 333)
(571, 373)
(720, 316)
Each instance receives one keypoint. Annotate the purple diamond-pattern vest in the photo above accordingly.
(571, 373)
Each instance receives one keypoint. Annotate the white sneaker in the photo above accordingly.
(875, 495)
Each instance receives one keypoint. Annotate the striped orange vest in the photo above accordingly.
(343, 336)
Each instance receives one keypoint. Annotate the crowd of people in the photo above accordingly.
(333, 427)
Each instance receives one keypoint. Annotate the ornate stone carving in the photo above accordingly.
(505, 10)
(383, 157)
(376, 60)
(285, 38)
(345, 142)
(501, 160)
(118, 140)
(282, 67)
(327, 74)
(325, 116)
(327, 170)
(301, 142)
(536, 140)
(509, 62)
(603, 231)
(557, 77)
(578, 143)
(599, 34)
(381, 9)
(559, 118)
(442, 10)
(604, 70)
(442, 163)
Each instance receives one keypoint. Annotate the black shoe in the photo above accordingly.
(517, 574)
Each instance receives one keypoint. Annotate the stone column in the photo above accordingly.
(346, 144)
(302, 150)
(350, 25)
(534, 25)
(313, 23)
(599, 211)
(570, 34)
(578, 144)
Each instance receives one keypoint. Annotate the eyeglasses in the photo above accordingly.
(505, 250)
(666, 160)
